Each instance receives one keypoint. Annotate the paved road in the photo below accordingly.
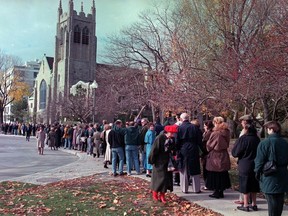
(20, 158)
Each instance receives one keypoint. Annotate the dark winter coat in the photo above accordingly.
(245, 150)
(276, 183)
(218, 159)
(116, 137)
(189, 140)
(132, 135)
(51, 136)
(161, 180)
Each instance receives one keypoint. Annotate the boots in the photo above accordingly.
(155, 195)
(162, 197)
(105, 164)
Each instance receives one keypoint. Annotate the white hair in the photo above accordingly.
(184, 116)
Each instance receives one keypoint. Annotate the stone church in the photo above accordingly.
(75, 60)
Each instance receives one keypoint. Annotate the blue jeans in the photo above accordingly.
(90, 146)
(132, 157)
(120, 153)
(67, 143)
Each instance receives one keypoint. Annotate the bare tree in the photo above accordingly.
(10, 86)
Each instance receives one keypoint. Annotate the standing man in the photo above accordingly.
(189, 140)
(274, 186)
(90, 139)
(143, 131)
(116, 140)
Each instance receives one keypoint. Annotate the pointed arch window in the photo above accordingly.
(43, 90)
(61, 36)
(77, 34)
(85, 36)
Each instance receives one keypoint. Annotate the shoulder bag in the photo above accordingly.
(270, 167)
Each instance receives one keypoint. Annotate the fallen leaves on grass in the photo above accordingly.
(97, 193)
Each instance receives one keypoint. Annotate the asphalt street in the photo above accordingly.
(20, 158)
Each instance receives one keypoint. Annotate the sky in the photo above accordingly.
(28, 27)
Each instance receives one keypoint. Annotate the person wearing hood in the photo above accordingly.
(132, 142)
(116, 140)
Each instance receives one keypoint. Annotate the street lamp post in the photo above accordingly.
(94, 86)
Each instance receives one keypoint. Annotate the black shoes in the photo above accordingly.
(254, 208)
(243, 208)
(214, 196)
(217, 194)
(246, 209)
(123, 173)
(148, 175)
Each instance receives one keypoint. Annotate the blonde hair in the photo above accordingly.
(218, 120)
(219, 123)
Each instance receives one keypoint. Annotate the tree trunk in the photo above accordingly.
(1, 116)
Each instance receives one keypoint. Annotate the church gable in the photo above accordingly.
(43, 82)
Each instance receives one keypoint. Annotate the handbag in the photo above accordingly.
(172, 166)
(270, 167)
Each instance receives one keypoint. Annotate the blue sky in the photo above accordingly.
(28, 27)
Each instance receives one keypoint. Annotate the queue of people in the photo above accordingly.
(151, 148)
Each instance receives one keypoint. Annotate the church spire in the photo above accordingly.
(71, 6)
(60, 11)
(82, 6)
(93, 10)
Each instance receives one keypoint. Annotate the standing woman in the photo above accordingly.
(96, 141)
(274, 186)
(245, 150)
(149, 140)
(162, 179)
(51, 136)
(208, 129)
(108, 153)
(218, 161)
(40, 136)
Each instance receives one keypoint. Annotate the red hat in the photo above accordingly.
(171, 128)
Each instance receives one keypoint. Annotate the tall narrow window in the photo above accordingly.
(77, 34)
(61, 36)
(43, 88)
(85, 36)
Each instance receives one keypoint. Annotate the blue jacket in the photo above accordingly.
(150, 137)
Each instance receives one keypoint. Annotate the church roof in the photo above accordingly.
(50, 61)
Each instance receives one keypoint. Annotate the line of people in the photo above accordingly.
(186, 140)
(143, 144)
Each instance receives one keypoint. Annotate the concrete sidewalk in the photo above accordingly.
(87, 165)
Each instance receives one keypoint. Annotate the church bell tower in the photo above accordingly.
(75, 52)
